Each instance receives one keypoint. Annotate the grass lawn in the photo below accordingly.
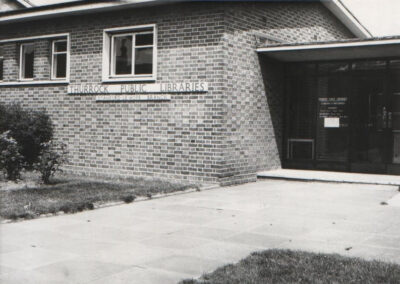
(285, 266)
(78, 195)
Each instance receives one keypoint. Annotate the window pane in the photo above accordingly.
(395, 63)
(60, 65)
(369, 65)
(329, 68)
(1, 69)
(144, 60)
(123, 55)
(27, 63)
(144, 39)
(60, 46)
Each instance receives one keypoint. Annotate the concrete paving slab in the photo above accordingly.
(130, 254)
(182, 236)
(380, 240)
(330, 235)
(257, 240)
(226, 252)
(32, 258)
(281, 230)
(174, 242)
(143, 275)
(395, 200)
(101, 232)
(189, 265)
(79, 271)
(205, 233)
(29, 277)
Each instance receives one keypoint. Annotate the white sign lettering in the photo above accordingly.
(189, 87)
(133, 98)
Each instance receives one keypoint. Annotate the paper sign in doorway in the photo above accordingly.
(331, 122)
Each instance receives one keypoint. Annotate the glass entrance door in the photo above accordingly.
(369, 123)
(343, 116)
(393, 121)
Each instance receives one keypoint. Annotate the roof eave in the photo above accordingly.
(24, 3)
(347, 18)
(64, 10)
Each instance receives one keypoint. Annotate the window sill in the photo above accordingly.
(25, 83)
(129, 79)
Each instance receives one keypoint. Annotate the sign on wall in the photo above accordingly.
(99, 89)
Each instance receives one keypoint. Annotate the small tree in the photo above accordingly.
(51, 157)
(11, 161)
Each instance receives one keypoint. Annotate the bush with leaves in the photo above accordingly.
(30, 128)
(11, 161)
(51, 157)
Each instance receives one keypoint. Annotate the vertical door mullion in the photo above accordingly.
(388, 148)
(133, 53)
(316, 111)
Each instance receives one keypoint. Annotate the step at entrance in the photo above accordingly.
(308, 175)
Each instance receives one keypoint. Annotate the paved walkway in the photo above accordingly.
(168, 239)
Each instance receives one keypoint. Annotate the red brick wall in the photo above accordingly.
(224, 136)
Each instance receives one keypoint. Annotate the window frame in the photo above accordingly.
(108, 71)
(2, 68)
(53, 56)
(22, 61)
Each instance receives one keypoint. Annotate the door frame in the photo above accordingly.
(387, 167)
(369, 167)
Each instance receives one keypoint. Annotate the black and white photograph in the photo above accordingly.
(199, 142)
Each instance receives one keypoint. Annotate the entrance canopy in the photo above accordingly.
(334, 50)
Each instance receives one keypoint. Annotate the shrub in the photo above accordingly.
(129, 198)
(11, 161)
(28, 127)
(51, 157)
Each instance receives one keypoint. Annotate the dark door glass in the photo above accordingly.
(369, 114)
(333, 118)
(394, 116)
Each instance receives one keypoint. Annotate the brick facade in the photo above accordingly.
(224, 135)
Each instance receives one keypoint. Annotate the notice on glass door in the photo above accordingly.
(331, 122)
(333, 112)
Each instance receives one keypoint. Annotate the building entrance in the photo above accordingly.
(343, 116)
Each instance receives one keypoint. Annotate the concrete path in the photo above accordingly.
(168, 239)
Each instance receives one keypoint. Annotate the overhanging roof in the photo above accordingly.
(347, 18)
(93, 6)
(335, 50)
(25, 3)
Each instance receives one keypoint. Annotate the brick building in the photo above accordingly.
(198, 91)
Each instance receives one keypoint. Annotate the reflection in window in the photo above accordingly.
(333, 67)
(132, 54)
(27, 59)
(1, 68)
(60, 53)
(144, 60)
(122, 55)
(369, 65)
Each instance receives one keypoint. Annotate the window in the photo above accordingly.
(130, 54)
(59, 59)
(26, 61)
(1, 68)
